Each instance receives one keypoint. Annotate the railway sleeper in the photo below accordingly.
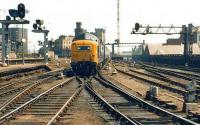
(194, 116)
(179, 91)
(32, 101)
(160, 78)
(145, 105)
(110, 109)
(162, 103)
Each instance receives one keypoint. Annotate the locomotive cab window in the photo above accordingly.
(83, 48)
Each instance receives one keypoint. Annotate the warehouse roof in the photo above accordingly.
(169, 50)
(151, 49)
(196, 49)
(164, 49)
(196, 29)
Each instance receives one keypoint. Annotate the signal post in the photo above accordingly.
(18, 13)
(186, 32)
(38, 29)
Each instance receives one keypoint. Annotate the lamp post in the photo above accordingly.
(23, 42)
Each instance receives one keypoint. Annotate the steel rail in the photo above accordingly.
(26, 91)
(28, 103)
(158, 76)
(13, 83)
(186, 74)
(144, 103)
(182, 68)
(21, 94)
(23, 70)
(46, 73)
(110, 109)
(174, 73)
(162, 78)
(65, 106)
(171, 73)
(179, 91)
(15, 89)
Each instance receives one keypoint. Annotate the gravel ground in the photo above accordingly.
(60, 63)
(141, 88)
(53, 64)
(20, 66)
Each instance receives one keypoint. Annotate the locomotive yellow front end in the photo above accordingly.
(84, 58)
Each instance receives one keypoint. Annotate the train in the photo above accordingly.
(86, 52)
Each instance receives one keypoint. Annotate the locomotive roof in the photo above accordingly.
(86, 36)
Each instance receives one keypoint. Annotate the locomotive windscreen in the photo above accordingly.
(83, 48)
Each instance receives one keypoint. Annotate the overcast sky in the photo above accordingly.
(60, 16)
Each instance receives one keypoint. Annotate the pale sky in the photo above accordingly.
(60, 16)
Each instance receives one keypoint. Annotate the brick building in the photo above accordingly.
(63, 46)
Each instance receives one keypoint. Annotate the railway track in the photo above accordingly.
(60, 102)
(162, 78)
(16, 72)
(172, 72)
(11, 84)
(82, 107)
(14, 77)
(17, 80)
(47, 97)
(50, 106)
(84, 110)
(13, 96)
(169, 77)
(8, 86)
(157, 81)
(184, 68)
(135, 109)
(165, 79)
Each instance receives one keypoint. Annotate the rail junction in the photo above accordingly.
(42, 96)
(76, 80)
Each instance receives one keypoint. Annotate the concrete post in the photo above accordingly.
(23, 59)
(152, 93)
(190, 98)
(113, 50)
(104, 53)
(4, 43)
(5, 46)
(45, 45)
(191, 92)
(186, 45)
(46, 48)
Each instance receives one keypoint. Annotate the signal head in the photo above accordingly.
(13, 13)
(21, 10)
(40, 22)
(35, 26)
(8, 18)
(137, 26)
(117, 41)
(39, 28)
(39, 43)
